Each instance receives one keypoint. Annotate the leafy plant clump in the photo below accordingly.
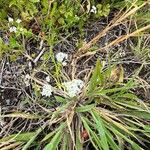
(40, 17)
(107, 115)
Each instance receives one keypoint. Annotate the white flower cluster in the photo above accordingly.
(47, 79)
(12, 20)
(73, 87)
(93, 10)
(18, 21)
(47, 90)
(62, 58)
(13, 28)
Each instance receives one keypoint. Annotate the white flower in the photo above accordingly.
(64, 63)
(47, 79)
(18, 21)
(10, 19)
(27, 80)
(13, 29)
(93, 10)
(62, 57)
(27, 76)
(73, 87)
(47, 90)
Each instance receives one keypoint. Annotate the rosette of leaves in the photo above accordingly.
(107, 116)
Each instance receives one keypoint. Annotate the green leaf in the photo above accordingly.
(147, 128)
(85, 108)
(101, 129)
(61, 99)
(49, 135)
(66, 141)
(97, 77)
(55, 141)
(79, 145)
(61, 21)
(19, 137)
(138, 114)
(128, 95)
(93, 137)
(111, 141)
(129, 104)
(127, 87)
(32, 139)
(13, 43)
(133, 144)
(1, 44)
(34, 1)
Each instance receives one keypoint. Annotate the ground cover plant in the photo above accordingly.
(74, 75)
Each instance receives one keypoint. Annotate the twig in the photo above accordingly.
(125, 37)
(39, 55)
(7, 87)
(2, 69)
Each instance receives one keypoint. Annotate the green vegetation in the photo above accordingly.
(50, 17)
(65, 98)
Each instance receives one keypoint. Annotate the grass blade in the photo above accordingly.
(101, 129)
(96, 78)
(55, 141)
(85, 108)
(93, 137)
